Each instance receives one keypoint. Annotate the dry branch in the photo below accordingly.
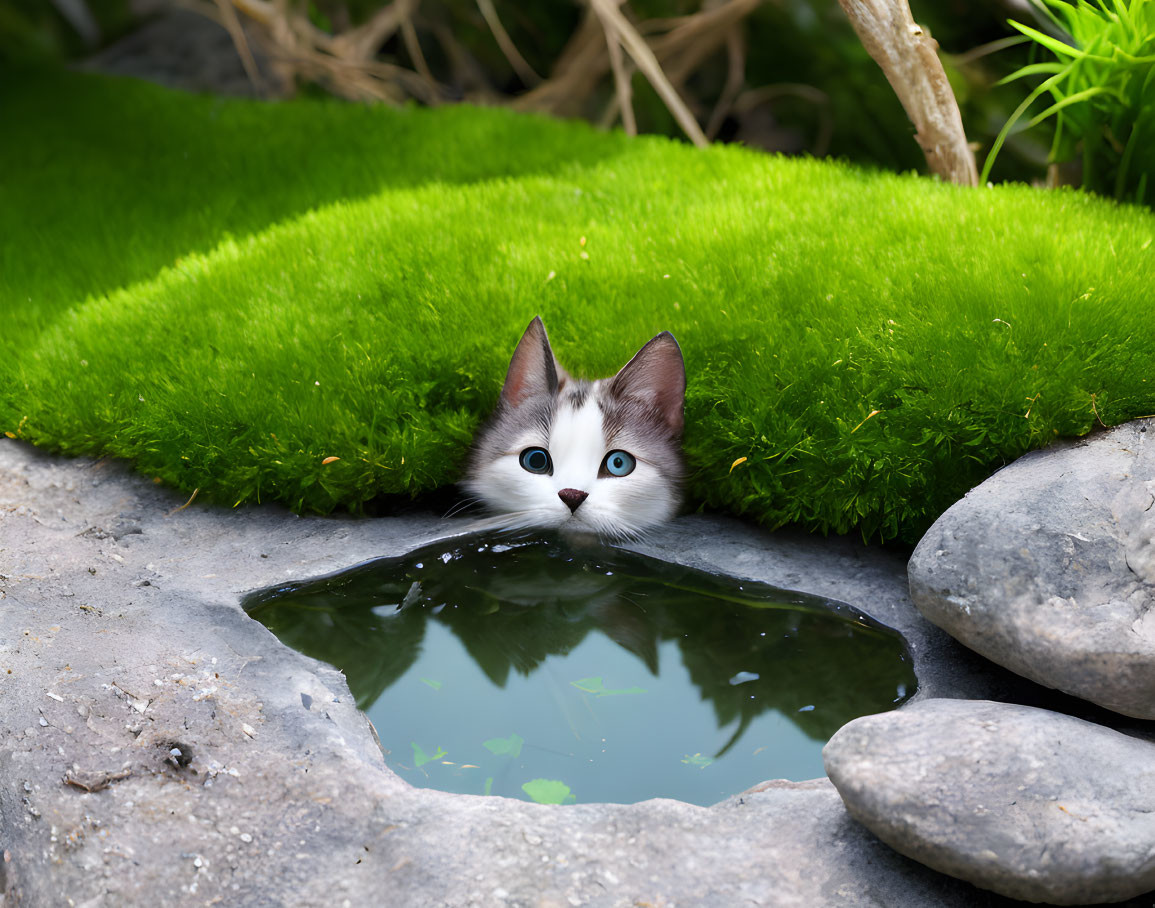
(643, 56)
(232, 24)
(363, 42)
(524, 71)
(735, 78)
(691, 39)
(622, 85)
(907, 55)
(607, 44)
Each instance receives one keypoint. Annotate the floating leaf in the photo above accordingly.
(697, 760)
(420, 757)
(505, 747)
(595, 686)
(436, 685)
(548, 791)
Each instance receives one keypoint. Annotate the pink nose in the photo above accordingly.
(572, 498)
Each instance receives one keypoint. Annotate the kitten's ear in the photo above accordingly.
(657, 376)
(533, 370)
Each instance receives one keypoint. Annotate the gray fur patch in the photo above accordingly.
(507, 424)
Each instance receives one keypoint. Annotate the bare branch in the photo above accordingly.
(623, 100)
(363, 42)
(692, 39)
(643, 56)
(413, 48)
(907, 54)
(576, 73)
(735, 78)
(233, 25)
(274, 16)
(524, 71)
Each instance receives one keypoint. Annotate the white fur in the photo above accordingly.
(616, 506)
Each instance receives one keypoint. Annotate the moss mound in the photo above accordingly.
(861, 348)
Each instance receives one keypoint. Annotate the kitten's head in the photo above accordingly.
(598, 457)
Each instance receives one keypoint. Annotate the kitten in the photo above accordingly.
(598, 457)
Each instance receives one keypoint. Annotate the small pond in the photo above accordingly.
(539, 671)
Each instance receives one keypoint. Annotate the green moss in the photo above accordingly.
(104, 181)
(377, 329)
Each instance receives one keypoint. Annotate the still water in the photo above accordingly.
(556, 674)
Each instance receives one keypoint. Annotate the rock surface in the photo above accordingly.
(1048, 568)
(121, 641)
(184, 50)
(1025, 802)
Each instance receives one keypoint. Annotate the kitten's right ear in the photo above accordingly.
(533, 371)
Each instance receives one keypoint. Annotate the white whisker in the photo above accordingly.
(460, 506)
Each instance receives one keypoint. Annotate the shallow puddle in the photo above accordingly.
(537, 671)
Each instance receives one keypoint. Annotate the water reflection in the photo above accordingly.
(747, 650)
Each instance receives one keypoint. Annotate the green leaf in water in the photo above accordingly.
(595, 686)
(488, 786)
(436, 685)
(548, 791)
(697, 760)
(420, 757)
(505, 747)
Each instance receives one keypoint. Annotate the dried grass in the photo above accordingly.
(608, 46)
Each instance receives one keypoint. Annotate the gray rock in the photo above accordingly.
(1048, 568)
(116, 652)
(279, 794)
(1025, 802)
(184, 50)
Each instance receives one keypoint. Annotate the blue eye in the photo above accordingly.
(536, 460)
(619, 463)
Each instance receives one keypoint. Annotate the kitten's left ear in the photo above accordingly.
(657, 377)
(534, 370)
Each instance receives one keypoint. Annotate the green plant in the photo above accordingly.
(1103, 87)
(326, 318)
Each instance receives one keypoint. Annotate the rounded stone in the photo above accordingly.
(1048, 569)
(1025, 802)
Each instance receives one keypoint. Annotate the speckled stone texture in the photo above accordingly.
(121, 640)
(1025, 802)
(1048, 569)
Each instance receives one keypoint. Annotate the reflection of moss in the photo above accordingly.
(328, 621)
(813, 662)
(514, 608)
(512, 636)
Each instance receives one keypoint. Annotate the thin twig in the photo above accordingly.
(643, 56)
(232, 24)
(363, 42)
(694, 38)
(413, 48)
(275, 15)
(735, 78)
(621, 83)
(524, 71)
(1095, 410)
(191, 499)
(576, 73)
